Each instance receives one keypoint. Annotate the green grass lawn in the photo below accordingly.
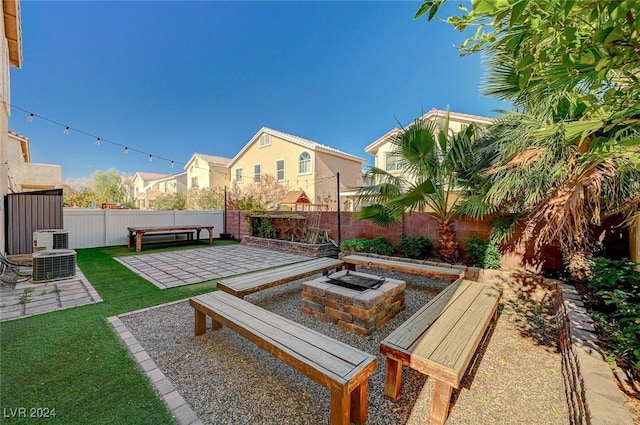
(72, 360)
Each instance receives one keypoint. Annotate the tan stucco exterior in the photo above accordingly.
(382, 147)
(176, 183)
(140, 184)
(23, 175)
(207, 171)
(10, 55)
(319, 182)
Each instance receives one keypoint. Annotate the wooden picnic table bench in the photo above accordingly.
(401, 266)
(138, 232)
(440, 340)
(247, 284)
(343, 369)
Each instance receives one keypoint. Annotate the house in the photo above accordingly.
(24, 175)
(139, 183)
(174, 183)
(298, 163)
(207, 171)
(11, 56)
(382, 148)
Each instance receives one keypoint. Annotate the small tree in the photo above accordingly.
(108, 186)
(205, 199)
(170, 201)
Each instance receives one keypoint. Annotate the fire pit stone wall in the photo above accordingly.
(360, 312)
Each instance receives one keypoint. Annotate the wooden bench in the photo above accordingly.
(244, 285)
(342, 369)
(440, 340)
(137, 233)
(401, 266)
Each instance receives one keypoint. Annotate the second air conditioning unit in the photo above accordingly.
(53, 264)
(50, 239)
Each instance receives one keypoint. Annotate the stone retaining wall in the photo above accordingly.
(308, 249)
(592, 394)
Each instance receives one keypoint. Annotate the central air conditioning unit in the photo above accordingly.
(50, 239)
(53, 264)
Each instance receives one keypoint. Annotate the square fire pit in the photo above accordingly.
(361, 310)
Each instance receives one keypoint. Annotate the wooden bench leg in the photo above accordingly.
(215, 325)
(440, 403)
(340, 408)
(392, 379)
(351, 267)
(200, 322)
(360, 403)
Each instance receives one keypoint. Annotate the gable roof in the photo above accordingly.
(144, 175)
(432, 114)
(300, 141)
(210, 159)
(295, 197)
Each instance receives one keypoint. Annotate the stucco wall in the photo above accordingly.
(4, 127)
(327, 166)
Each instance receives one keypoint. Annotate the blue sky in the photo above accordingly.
(174, 78)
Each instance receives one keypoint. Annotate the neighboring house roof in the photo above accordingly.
(305, 143)
(150, 176)
(210, 159)
(13, 31)
(433, 113)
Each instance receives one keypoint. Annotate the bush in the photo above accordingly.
(415, 246)
(613, 296)
(483, 254)
(379, 245)
(260, 226)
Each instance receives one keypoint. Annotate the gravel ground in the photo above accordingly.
(228, 380)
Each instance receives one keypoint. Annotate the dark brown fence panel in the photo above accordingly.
(27, 212)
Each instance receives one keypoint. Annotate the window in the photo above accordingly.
(238, 175)
(256, 173)
(265, 140)
(280, 170)
(304, 163)
(194, 182)
(393, 162)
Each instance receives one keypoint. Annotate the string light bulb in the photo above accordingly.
(150, 157)
(30, 117)
(98, 141)
(66, 130)
(125, 150)
(171, 164)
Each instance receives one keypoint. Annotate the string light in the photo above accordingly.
(66, 130)
(150, 157)
(30, 117)
(126, 150)
(171, 164)
(98, 141)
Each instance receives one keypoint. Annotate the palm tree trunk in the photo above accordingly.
(448, 243)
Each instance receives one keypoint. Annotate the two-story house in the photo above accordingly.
(174, 183)
(298, 163)
(382, 148)
(24, 175)
(139, 185)
(207, 171)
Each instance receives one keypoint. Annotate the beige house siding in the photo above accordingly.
(319, 183)
(23, 175)
(176, 183)
(10, 55)
(206, 171)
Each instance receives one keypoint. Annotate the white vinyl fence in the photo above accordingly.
(90, 228)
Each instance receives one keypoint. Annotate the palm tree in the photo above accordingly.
(559, 168)
(429, 158)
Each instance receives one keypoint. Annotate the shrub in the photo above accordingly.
(415, 246)
(379, 245)
(614, 297)
(260, 226)
(483, 254)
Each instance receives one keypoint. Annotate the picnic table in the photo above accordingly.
(139, 232)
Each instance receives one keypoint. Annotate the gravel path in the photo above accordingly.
(227, 380)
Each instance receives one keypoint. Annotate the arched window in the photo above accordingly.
(304, 163)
